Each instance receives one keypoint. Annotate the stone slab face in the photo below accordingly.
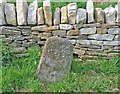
(117, 8)
(32, 13)
(101, 37)
(57, 16)
(99, 15)
(81, 16)
(72, 8)
(22, 8)
(56, 59)
(47, 12)
(10, 13)
(66, 26)
(110, 15)
(2, 13)
(39, 28)
(40, 16)
(64, 12)
(86, 31)
(114, 31)
(90, 11)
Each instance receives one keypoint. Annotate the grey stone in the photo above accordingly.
(87, 31)
(81, 16)
(60, 33)
(72, 41)
(83, 37)
(10, 32)
(40, 14)
(84, 42)
(117, 37)
(92, 25)
(57, 16)
(90, 11)
(26, 31)
(95, 42)
(2, 13)
(77, 26)
(111, 43)
(78, 52)
(22, 8)
(66, 26)
(32, 13)
(117, 48)
(18, 50)
(47, 12)
(72, 8)
(24, 27)
(99, 15)
(114, 31)
(101, 37)
(72, 37)
(110, 15)
(39, 28)
(56, 59)
(64, 13)
(117, 8)
(10, 14)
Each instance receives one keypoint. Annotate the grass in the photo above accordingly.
(99, 76)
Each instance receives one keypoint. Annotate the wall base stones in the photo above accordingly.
(89, 41)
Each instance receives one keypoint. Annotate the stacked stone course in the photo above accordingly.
(30, 25)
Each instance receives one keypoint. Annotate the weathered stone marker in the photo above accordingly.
(56, 59)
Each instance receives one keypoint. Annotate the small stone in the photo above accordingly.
(39, 28)
(18, 50)
(87, 31)
(40, 14)
(117, 37)
(51, 28)
(112, 43)
(92, 25)
(99, 15)
(77, 26)
(55, 67)
(114, 30)
(73, 32)
(81, 16)
(47, 12)
(60, 33)
(72, 41)
(64, 12)
(110, 15)
(102, 30)
(72, 37)
(84, 42)
(2, 13)
(66, 26)
(96, 42)
(22, 8)
(26, 31)
(101, 37)
(32, 13)
(72, 8)
(57, 16)
(10, 14)
(90, 11)
(78, 52)
(117, 8)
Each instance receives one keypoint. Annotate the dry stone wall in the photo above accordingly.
(92, 33)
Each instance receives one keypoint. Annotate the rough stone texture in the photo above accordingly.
(57, 16)
(60, 33)
(77, 26)
(2, 13)
(73, 32)
(32, 13)
(72, 8)
(112, 43)
(78, 52)
(99, 15)
(47, 12)
(102, 30)
(117, 8)
(117, 37)
(22, 8)
(110, 15)
(90, 11)
(51, 28)
(40, 16)
(101, 37)
(39, 28)
(114, 31)
(87, 31)
(65, 26)
(81, 16)
(55, 67)
(64, 12)
(10, 13)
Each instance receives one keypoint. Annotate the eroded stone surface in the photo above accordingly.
(64, 12)
(40, 16)
(10, 14)
(57, 16)
(22, 8)
(87, 31)
(56, 59)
